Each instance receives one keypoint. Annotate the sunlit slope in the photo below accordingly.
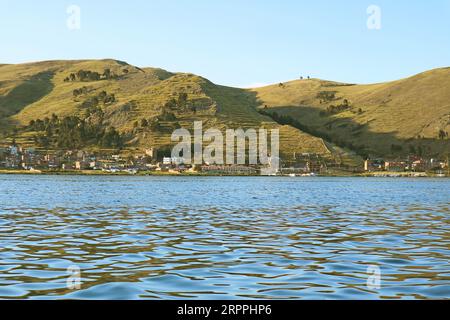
(409, 113)
(39, 90)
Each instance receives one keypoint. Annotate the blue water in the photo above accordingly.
(224, 237)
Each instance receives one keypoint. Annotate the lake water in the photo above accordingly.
(224, 237)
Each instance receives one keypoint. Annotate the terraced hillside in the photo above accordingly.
(395, 118)
(143, 105)
(109, 104)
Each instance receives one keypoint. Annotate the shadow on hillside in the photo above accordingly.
(28, 92)
(233, 101)
(237, 105)
(346, 133)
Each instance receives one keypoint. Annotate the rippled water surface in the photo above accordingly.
(224, 238)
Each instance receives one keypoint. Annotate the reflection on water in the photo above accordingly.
(223, 238)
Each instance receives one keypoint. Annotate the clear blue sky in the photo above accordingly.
(237, 42)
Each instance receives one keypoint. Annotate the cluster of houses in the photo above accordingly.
(305, 164)
(15, 157)
(410, 164)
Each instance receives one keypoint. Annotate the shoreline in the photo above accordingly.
(423, 175)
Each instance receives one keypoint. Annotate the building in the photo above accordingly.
(14, 150)
(94, 165)
(301, 167)
(12, 162)
(374, 165)
(82, 165)
(53, 161)
(173, 161)
(396, 166)
(167, 160)
(68, 166)
(229, 170)
(437, 164)
(164, 167)
(317, 166)
(419, 165)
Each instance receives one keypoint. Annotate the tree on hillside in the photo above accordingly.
(167, 116)
(396, 148)
(420, 151)
(93, 76)
(182, 100)
(81, 74)
(107, 73)
(144, 123)
(155, 125)
(442, 134)
(171, 104)
(112, 139)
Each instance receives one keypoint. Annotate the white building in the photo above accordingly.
(172, 161)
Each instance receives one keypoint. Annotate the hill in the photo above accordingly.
(109, 104)
(387, 119)
(144, 106)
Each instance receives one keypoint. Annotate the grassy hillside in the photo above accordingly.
(333, 119)
(33, 91)
(393, 118)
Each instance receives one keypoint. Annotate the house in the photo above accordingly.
(182, 168)
(173, 161)
(300, 167)
(68, 166)
(52, 161)
(229, 170)
(150, 167)
(30, 159)
(317, 167)
(419, 165)
(14, 150)
(374, 165)
(437, 164)
(164, 167)
(12, 162)
(94, 165)
(396, 166)
(82, 165)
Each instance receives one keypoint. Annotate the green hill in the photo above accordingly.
(145, 105)
(387, 119)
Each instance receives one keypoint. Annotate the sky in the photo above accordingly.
(240, 43)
